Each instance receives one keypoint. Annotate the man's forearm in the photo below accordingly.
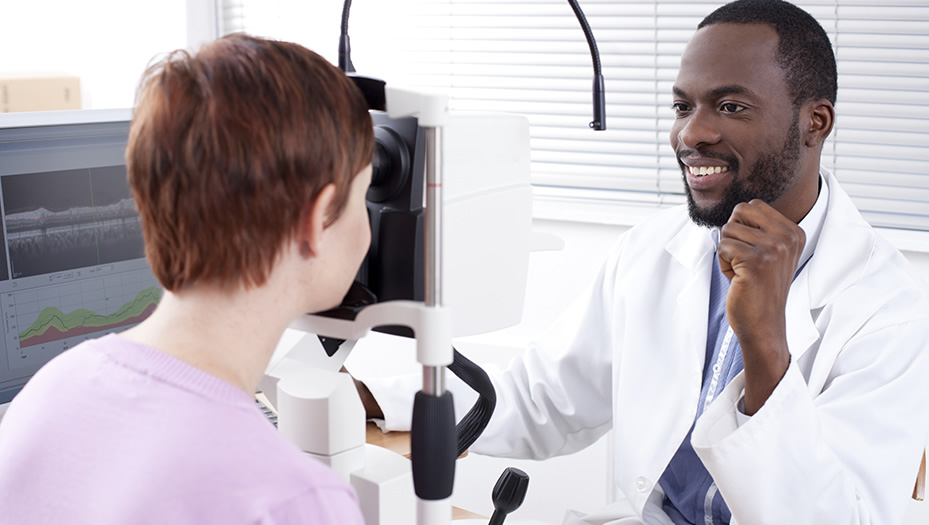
(764, 369)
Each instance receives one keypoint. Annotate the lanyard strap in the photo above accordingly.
(718, 366)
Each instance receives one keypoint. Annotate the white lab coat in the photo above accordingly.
(838, 441)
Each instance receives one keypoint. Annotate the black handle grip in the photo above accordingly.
(508, 493)
(433, 443)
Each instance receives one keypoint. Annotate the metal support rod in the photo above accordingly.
(433, 438)
(433, 377)
(434, 380)
(433, 212)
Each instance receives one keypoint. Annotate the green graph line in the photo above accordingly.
(53, 317)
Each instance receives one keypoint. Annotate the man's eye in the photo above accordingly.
(680, 107)
(731, 107)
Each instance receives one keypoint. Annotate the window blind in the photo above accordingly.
(530, 57)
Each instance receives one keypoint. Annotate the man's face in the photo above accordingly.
(736, 133)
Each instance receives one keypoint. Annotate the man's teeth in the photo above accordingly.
(707, 170)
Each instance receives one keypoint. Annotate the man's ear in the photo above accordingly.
(315, 222)
(820, 121)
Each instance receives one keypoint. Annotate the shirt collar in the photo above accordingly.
(812, 224)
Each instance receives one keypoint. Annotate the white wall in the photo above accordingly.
(107, 43)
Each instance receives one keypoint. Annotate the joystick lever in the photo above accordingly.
(508, 493)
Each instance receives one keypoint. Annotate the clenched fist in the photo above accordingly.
(759, 250)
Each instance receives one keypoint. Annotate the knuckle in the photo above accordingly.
(781, 251)
(772, 256)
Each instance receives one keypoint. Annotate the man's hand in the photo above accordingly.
(759, 250)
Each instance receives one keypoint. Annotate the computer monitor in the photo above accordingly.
(72, 263)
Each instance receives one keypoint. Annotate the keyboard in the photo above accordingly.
(270, 414)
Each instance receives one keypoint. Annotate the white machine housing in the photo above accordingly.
(485, 242)
(488, 220)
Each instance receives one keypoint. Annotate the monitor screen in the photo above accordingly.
(72, 263)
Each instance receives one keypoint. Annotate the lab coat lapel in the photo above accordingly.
(693, 249)
(845, 246)
(801, 330)
(825, 274)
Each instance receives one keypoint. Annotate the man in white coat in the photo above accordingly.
(762, 355)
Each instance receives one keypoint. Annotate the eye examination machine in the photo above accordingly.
(475, 228)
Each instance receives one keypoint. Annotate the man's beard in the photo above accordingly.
(770, 177)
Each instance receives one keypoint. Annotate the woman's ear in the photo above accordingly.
(821, 120)
(314, 222)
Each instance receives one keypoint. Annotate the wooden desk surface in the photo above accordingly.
(461, 514)
(398, 442)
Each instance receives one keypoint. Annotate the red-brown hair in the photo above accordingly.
(228, 149)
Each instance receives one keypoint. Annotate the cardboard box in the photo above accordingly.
(39, 93)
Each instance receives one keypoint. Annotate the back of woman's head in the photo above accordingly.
(228, 149)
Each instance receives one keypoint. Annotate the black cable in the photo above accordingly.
(475, 421)
(589, 35)
(346, 7)
(345, 47)
(599, 91)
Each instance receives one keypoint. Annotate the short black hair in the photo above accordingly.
(803, 51)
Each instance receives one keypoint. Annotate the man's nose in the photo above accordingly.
(698, 130)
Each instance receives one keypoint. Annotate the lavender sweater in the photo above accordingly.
(113, 432)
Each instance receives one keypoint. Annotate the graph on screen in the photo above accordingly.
(82, 304)
(53, 324)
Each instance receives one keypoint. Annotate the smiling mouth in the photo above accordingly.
(702, 171)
